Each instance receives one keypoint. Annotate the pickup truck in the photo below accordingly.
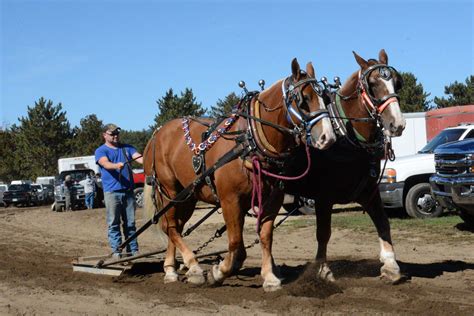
(405, 181)
(20, 194)
(77, 192)
(453, 183)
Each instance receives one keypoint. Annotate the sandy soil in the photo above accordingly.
(36, 276)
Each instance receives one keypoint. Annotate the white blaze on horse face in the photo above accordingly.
(327, 136)
(393, 120)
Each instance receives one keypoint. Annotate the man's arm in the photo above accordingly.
(105, 163)
(138, 157)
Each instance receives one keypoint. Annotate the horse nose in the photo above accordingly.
(396, 129)
(324, 141)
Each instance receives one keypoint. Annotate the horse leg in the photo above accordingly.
(151, 205)
(234, 220)
(169, 265)
(323, 234)
(390, 269)
(173, 226)
(271, 207)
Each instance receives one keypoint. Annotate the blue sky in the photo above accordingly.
(116, 58)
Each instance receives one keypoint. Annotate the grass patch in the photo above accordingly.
(446, 228)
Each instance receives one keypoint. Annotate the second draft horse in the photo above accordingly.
(363, 110)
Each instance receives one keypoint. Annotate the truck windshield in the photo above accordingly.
(18, 187)
(446, 136)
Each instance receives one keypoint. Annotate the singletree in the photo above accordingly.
(458, 94)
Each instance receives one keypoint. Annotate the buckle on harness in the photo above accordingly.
(150, 180)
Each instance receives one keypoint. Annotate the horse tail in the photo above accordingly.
(149, 209)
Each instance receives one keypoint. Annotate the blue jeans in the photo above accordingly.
(120, 207)
(89, 200)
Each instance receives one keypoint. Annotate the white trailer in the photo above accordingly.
(413, 137)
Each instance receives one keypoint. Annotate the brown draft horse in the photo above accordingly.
(291, 104)
(364, 109)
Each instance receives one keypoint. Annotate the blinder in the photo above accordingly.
(294, 94)
(386, 72)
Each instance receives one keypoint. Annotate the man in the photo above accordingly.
(117, 183)
(68, 194)
(89, 190)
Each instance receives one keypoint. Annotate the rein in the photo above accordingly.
(257, 182)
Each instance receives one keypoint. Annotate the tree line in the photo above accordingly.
(32, 147)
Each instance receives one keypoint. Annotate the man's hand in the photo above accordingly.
(119, 165)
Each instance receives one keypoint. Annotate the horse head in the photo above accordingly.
(304, 103)
(378, 86)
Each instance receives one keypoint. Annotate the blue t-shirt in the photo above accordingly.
(114, 180)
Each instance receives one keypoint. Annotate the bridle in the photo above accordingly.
(292, 92)
(373, 105)
(376, 106)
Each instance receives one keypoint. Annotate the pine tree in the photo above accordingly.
(413, 98)
(171, 106)
(458, 94)
(224, 107)
(137, 139)
(87, 137)
(7, 152)
(42, 137)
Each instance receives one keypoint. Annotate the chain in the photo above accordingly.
(217, 234)
(221, 230)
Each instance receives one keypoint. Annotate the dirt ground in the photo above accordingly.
(36, 276)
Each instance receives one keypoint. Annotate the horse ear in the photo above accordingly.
(361, 61)
(310, 70)
(295, 69)
(383, 58)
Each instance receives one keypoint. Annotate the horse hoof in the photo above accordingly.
(272, 284)
(171, 277)
(215, 276)
(271, 287)
(391, 275)
(195, 275)
(325, 273)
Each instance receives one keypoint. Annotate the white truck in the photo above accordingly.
(77, 168)
(405, 182)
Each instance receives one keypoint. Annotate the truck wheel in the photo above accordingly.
(420, 204)
(305, 206)
(467, 218)
(139, 197)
